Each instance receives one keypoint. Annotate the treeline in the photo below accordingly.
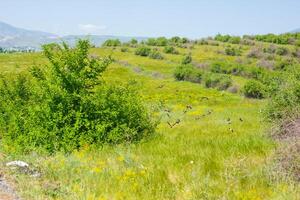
(16, 50)
(284, 39)
(159, 42)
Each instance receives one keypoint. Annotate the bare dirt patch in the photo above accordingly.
(289, 152)
(289, 131)
(6, 191)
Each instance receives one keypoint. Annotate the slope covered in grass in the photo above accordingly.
(209, 144)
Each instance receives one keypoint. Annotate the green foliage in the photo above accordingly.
(170, 50)
(219, 81)
(227, 68)
(254, 89)
(222, 38)
(112, 43)
(209, 80)
(187, 73)
(161, 41)
(281, 51)
(143, 51)
(285, 104)
(124, 49)
(155, 54)
(66, 105)
(133, 41)
(231, 51)
(228, 38)
(287, 38)
(187, 59)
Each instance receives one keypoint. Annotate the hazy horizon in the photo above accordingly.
(152, 18)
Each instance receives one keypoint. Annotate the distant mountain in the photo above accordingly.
(296, 31)
(12, 37)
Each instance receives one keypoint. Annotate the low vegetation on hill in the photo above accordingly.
(165, 118)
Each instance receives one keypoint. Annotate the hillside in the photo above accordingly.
(212, 140)
(11, 36)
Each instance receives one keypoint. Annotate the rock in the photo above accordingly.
(17, 163)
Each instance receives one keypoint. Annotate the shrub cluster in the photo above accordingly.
(187, 59)
(188, 73)
(155, 54)
(232, 51)
(148, 52)
(162, 41)
(228, 38)
(66, 105)
(112, 43)
(209, 80)
(219, 81)
(284, 104)
(254, 89)
(287, 38)
(170, 50)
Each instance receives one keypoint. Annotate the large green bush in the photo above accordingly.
(187, 73)
(187, 59)
(218, 81)
(155, 54)
(112, 43)
(143, 51)
(284, 104)
(254, 89)
(170, 50)
(66, 105)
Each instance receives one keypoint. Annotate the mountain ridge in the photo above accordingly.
(12, 37)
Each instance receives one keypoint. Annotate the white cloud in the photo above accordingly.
(91, 28)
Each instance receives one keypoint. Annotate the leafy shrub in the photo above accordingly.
(143, 51)
(285, 104)
(187, 59)
(155, 54)
(133, 41)
(228, 38)
(254, 89)
(226, 68)
(161, 41)
(202, 42)
(296, 53)
(284, 64)
(231, 51)
(219, 81)
(112, 43)
(282, 51)
(222, 38)
(65, 105)
(234, 40)
(187, 73)
(124, 49)
(170, 50)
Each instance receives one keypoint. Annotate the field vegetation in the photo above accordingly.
(165, 118)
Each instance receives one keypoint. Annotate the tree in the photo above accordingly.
(66, 105)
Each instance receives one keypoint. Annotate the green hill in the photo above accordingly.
(212, 141)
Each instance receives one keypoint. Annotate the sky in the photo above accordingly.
(153, 18)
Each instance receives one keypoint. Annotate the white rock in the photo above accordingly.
(17, 163)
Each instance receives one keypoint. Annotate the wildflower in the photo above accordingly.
(121, 158)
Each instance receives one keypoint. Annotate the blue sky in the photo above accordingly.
(191, 18)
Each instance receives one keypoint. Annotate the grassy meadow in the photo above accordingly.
(209, 143)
